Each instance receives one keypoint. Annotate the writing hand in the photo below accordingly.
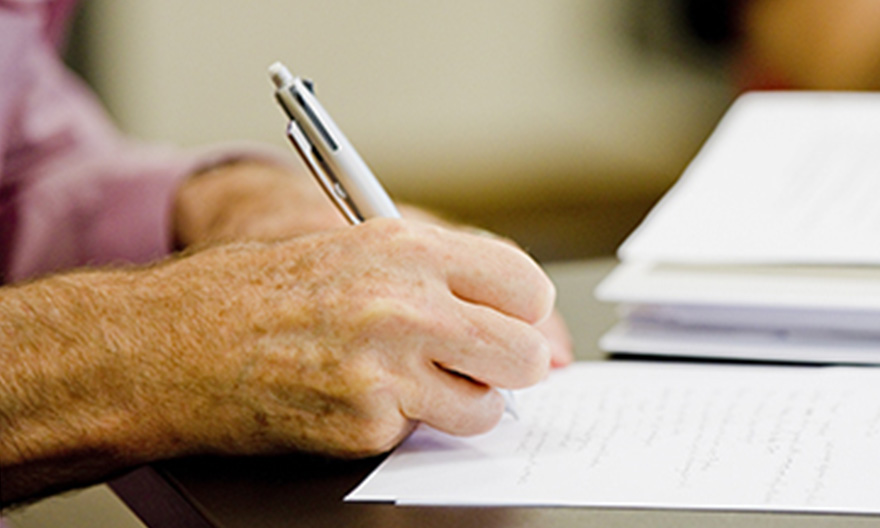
(340, 342)
(251, 200)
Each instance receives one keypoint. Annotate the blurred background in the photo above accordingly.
(558, 123)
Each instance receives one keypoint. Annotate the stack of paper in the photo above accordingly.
(769, 245)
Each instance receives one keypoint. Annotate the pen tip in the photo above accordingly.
(280, 75)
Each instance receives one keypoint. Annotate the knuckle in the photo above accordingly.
(381, 316)
(393, 229)
(545, 298)
(362, 377)
(493, 415)
(541, 297)
(411, 244)
(534, 361)
(482, 418)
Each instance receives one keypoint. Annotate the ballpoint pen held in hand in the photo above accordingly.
(332, 160)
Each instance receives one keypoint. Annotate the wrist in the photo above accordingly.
(250, 201)
(204, 199)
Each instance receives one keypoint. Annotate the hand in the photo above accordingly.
(250, 200)
(334, 343)
(340, 342)
(554, 327)
(556, 331)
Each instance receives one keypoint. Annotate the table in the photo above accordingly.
(305, 491)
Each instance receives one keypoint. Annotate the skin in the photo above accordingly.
(337, 342)
(246, 201)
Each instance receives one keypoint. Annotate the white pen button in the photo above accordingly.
(340, 191)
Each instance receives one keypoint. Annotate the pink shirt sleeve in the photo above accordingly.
(73, 190)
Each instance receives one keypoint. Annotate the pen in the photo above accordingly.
(333, 161)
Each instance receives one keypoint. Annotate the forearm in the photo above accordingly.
(74, 405)
(105, 370)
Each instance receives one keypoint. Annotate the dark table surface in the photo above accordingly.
(304, 491)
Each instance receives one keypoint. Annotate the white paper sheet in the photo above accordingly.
(755, 344)
(821, 288)
(660, 436)
(787, 177)
(777, 313)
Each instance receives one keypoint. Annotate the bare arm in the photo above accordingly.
(74, 400)
(336, 343)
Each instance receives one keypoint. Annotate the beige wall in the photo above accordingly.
(458, 103)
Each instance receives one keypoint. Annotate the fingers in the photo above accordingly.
(494, 349)
(446, 316)
(561, 347)
(455, 392)
(488, 338)
(478, 269)
(454, 404)
(498, 275)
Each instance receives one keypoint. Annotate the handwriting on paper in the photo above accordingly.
(663, 435)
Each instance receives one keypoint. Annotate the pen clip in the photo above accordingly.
(331, 185)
